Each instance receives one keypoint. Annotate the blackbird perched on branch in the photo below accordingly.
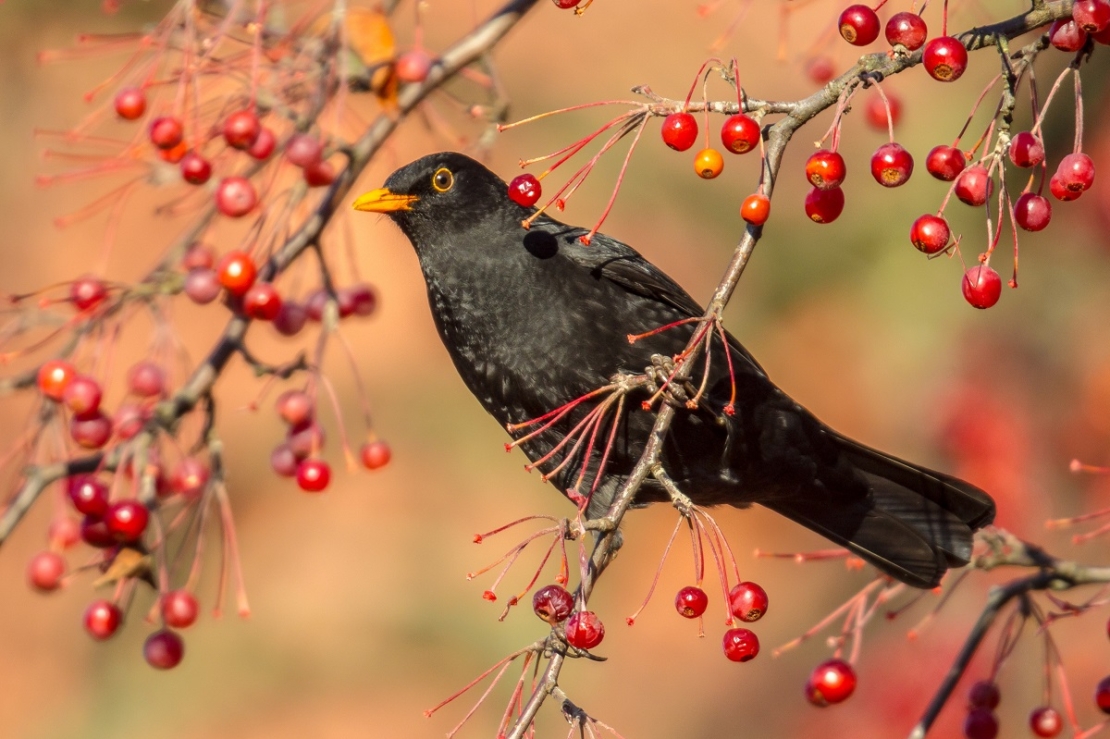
(538, 324)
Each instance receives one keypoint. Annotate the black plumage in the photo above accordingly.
(533, 319)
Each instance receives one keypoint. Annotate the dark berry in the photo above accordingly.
(981, 286)
(1102, 694)
(95, 533)
(981, 723)
(691, 602)
(984, 694)
(907, 29)
(552, 603)
(680, 131)
(54, 376)
(163, 650)
(1032, 212)
(824, 206)
(832, 681)
(891, 165)
(102, 619)
(584, 630)
(525, 190)
(945, 162)
(748, 601)
(740, 134)
(306, 440)
(741, 645)
(944, 58)
(825, 169)
(930, 234)
(303, 150)
(362, 297)
(859, 25)
(291, 318)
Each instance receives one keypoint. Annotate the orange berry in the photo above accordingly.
(54, 376)
(708, 163)
(755, 209)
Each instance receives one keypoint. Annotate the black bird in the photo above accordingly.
(534, 318)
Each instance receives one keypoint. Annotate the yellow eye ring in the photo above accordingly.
(443, 180)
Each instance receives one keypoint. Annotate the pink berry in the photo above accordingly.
(974, 186)
(691, 602)
(930, 234)
(313, 475)
(241, 129)
(82, 395)
(295, 407)
(906, 29)
(981, 286)
(179, 609)
(235, 196)
(45, 571)
(552, 603)
(1066, 35)
(891, 165)
(748, 601)
(413, 66)
(525, 190)
(584, 630)
(195, 169)
(824, 206)
(102, 619)
(130, 103)
(92, 430)
(832, 681)
(64, 532)
(1046, 722)
(87, 293)
(740, 134)
(820, 69)
(375, 455)
(1032, 212)
(741, 645)
(306, 439)
(129, 421)
(859, 25)
(1026, 150)
(303, 150)
(680, 131)
(127, 520)
(283, 461)
(945, 162)
(319, 173)
(264, 145)
(944, 58)
(146, 379)
(163, 650)
(202, 285)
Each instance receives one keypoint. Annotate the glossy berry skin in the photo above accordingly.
(163, 650)
(552, 603)
(974, 186)
(262, 302)
(691, 602)
(53, 378)
(1091, 15)
(832, 681)
(235, 196)
(525, 190)
(1046, 722)
(907, 29)
(756, 209)
(146, 379)
(127, 520)
(930, 234)
(166, 132)
(891, 165)
(313, 475)
(981, 286)
(709, 164)
(944, 58)
(945, 162)
(1032, 212)
(1102, 694)
(859, 25)
(1077, 172)
(981, 723)
(179, 609)
(92, 430)
(45, 571)
(984, 694)
(95, 533)
(825, 169)
(584, 630)
(130, 103)
(241, 129)
(680, 131)
(824, 206)
(375, 455)
(1026, 150)
(748, 602)
(565, 4)
(413, 66)
(82, 395)
(303, 150)
(740, 645)
(102, 619)
(740, 134)
(236, 272)
(264, 145)
(1066, 35)
(87, 293)
(195, 169)
(1060, 190)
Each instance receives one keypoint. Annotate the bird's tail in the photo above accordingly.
(914, 523)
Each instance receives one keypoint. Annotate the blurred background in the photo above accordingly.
(362, 616)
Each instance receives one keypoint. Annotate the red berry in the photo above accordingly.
(756, 209)
(982, 286)
(1046, 722)
(709, 164)
(175, 154)
(1032, 212)
(375, 454)
(1060, 191)
(740, 134)
(1091, 15)
(283, 461)
(64, 532)
(91, 431)
(1102, 694)
(584, 630)
(820, 69)
(262, 301)
(316, 304)
(295, 407)
(930, 234)
(313, 475)
(130, 103)
(291, 318)
(748, 601)
(236, 271)
(891, 165)
(984, 694)
(832, 681)
(906, 29)
(235, 196)
(691, 602)
(981, 723)
(1026, 150)
(945, 58)
(859, 25)
(198, 256)
(53, 377)
(45, 571)
(146, 379)
(163, 650)
(95, 533)
(680, 131)
(166, 132)
(875, 111)
(824, 206)
(263, 146)
(82, 395)
(565, 4)
(1102, 37)
(1077, 172)
(241, 129)
(195, 169)
(552, 604)
(413, 66)
(319, 173)
(87, 293)
(741, 645)
(945, 162)
(202, 285)
(1066, 35)
(102, 619)
(179, 609)
(303, 150)
(362, 297)
(127, 520)
(189, 477)
(974, 186)
(525, 190)
(825, 169)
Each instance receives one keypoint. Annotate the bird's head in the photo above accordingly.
(445, 193)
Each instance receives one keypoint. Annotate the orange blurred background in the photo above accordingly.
(361, 612)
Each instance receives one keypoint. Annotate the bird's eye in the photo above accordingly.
(442, 180)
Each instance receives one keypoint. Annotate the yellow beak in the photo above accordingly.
(384, 201)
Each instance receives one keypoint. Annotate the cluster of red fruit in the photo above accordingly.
(944, 57)
(982, 723)
(241, 130)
